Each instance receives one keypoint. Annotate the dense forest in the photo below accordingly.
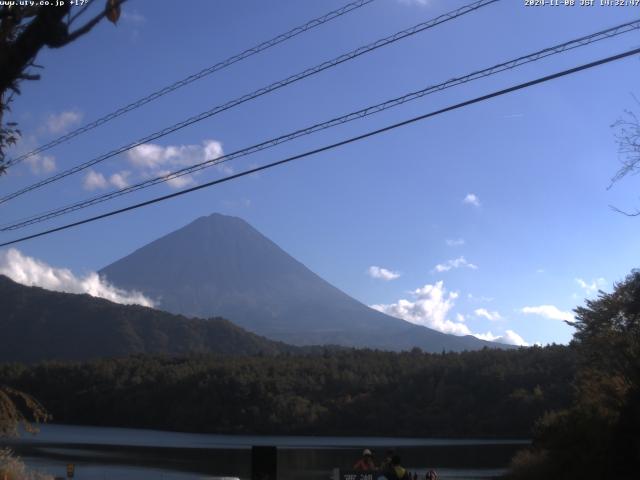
(484, 393)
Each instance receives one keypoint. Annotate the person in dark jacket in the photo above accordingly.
(397, 471)
(386, 463)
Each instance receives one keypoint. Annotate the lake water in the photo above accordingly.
(129, 454)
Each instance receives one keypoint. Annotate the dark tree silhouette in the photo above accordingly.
(598, 435)
(24, 31)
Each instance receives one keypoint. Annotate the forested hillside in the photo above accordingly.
(38, 324)
(359, 392)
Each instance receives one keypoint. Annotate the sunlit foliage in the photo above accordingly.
(599, 435)
(18, 409)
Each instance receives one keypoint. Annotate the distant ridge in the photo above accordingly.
(38, 325)
(221, 266)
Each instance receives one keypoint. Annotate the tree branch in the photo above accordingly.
(87, 27)
(628, 214)
(628, 138)
(41, 31)
(80, 12)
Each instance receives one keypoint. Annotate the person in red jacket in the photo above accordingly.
(366, 463)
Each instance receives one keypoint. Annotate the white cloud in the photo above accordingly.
(382, 273)
(120, 179)
(40, 164)
(456, 242)
(94, 181)
(151, 161)
(549, 311)
(512, 338)
(492, 316)
(29, 271)
(155, 160)
(471, 199)
(59, 123)
(152, 156)
(212, 149)
(147, 155)
(429, 308)
(592, 287)
(509, 338)
(97, 181)
(178, 182)
(459, 262)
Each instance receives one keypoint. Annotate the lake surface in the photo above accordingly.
(129, 454)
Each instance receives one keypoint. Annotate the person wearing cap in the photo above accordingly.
(365, 464)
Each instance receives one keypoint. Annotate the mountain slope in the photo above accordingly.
(220, 265)
(38, 324)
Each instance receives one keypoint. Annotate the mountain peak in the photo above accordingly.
(217, 220)
(219, 217)
(219, 265)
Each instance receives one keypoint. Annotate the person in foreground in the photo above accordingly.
(396, 470)
(386, 462)
(366, 463)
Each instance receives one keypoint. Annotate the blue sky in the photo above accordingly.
(493, 219)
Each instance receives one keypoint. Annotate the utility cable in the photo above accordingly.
(332, 146)
(316, 22)
(380, 107)
(262, 91)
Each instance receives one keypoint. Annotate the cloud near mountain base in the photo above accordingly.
(34, 273)
(509, 338)
(430, 306)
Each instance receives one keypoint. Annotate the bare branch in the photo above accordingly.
(24, 31)
(628, 138)
(628, 214)
(81, 10)
(87, 27)
(29, 76)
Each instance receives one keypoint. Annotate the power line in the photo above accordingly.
(316, 22)
(309, 153)
(532, 57)
(262, 91)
